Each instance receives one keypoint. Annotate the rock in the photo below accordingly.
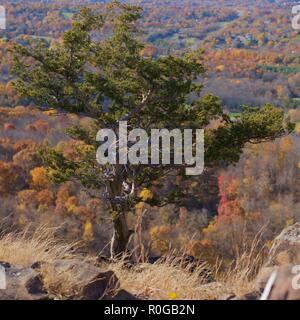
(255, 295)
(153, 259)
(283, 255)
(93, 283)
(283, 284)
(90, 282)
(5, 265)
(99, 286)
(23, 284)
(103, 259)
(35, 285)
(228, 297)
(263, 277)
(286, 247)
(121, 295)
(36, 265)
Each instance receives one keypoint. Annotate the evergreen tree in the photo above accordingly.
(97, 70)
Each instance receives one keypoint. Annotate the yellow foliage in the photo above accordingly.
(297, 128)
(146, 194)
(172, 295)
(39, 177)
(50, 112)
(71, 204)
(140, 205)
(88, 234)
(220, 68)
(211, 228)
(160, 237)
(158, 231)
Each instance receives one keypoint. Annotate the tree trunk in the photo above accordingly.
(121, 235)
(120, 207)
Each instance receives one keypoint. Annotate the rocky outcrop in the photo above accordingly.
(263, 277)
(91, 283)
(22, 284)
(255, 295)
(283, 284)
(121, 295)
(279, 279)
(286, 247)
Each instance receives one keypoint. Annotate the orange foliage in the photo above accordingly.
(46, 197)
(39, 177)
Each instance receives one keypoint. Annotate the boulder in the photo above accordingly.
(263, 277)
(286, 247)
(255, 295)
(283, 284)
(22, 284)
(92, 282)
(121, 295)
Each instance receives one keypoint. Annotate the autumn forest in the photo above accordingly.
(231, 67)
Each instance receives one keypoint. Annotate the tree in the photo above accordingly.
(39, 178)
(98, 71)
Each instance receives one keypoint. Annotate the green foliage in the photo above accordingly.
(287, 70)
(253, 125)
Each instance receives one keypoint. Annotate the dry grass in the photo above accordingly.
(239, 277)
(165, 279)
(26, 248)
(60, 285)
(162, 280)
(168, 280)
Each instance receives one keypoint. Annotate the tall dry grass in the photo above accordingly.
(25, 248)
(166, 279)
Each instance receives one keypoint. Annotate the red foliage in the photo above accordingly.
(229, 206)
(8, 126)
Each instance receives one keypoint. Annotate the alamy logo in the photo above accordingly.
(2, 18)
(2, 278)
(296, 18)
(164, 147)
